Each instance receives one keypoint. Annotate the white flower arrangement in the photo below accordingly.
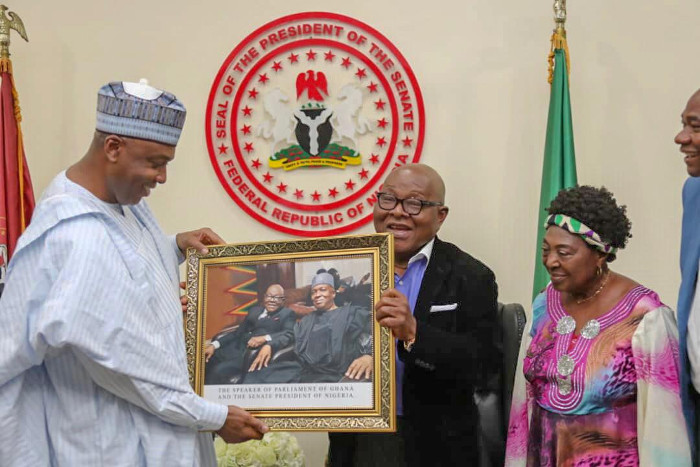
(276, 449)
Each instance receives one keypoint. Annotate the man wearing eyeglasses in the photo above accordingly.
(443, 313)
(271, 324)
(331, 344)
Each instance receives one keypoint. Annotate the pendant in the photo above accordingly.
(566, 325)
(565, 365)
(564, 386)
(591, 329)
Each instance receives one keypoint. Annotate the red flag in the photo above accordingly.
(16, 193)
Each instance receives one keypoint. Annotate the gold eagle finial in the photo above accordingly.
(13, 22)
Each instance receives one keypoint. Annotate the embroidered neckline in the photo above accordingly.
(566, 376)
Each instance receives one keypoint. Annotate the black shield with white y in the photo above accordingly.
(314, 129)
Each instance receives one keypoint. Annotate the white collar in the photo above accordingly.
(424, 252)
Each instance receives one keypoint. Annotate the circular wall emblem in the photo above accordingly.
(305, 119)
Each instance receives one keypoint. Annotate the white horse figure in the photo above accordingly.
(281, 124)
(346, 121)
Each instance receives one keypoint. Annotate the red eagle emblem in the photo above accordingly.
(313, 83)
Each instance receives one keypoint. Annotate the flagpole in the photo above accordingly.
(559, 163)
(16, 192)
(559, 14)
(13, 22)
(559, 38)
(7, 24)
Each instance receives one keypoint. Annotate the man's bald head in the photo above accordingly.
(688, 138)
(434, 180)
(274, 298)
(411, 231)
(696, 95)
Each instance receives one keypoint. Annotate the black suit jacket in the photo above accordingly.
(279, 325)
(229, 360)
(455, 352)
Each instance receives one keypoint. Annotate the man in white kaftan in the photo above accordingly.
(92, 357)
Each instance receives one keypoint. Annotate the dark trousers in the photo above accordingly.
(368, 449)
(426, 444)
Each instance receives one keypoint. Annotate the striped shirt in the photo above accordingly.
(92, 359)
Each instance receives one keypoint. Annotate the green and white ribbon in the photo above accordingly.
(577, 227)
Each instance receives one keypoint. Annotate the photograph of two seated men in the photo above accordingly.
(289, 322)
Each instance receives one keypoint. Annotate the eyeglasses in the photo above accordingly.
(411, 206)
(277, 298)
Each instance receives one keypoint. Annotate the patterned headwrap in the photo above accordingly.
(140, 111)
(577, 227)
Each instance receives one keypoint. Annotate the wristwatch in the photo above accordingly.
(408, 345)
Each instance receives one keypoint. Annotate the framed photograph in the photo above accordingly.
(287, 331)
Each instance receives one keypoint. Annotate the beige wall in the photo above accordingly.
(481, 66)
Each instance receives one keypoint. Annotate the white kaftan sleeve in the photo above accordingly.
(661, 434)
(178, 253)
(87, 302)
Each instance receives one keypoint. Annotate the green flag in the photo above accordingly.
(559, 167)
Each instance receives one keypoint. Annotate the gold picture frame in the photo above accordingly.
(228, 289)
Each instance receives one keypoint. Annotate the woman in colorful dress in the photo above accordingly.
(597, 381)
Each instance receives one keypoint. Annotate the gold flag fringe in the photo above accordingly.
(558, 41)
(6, 67)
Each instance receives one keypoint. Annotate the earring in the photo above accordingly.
(599, 271)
